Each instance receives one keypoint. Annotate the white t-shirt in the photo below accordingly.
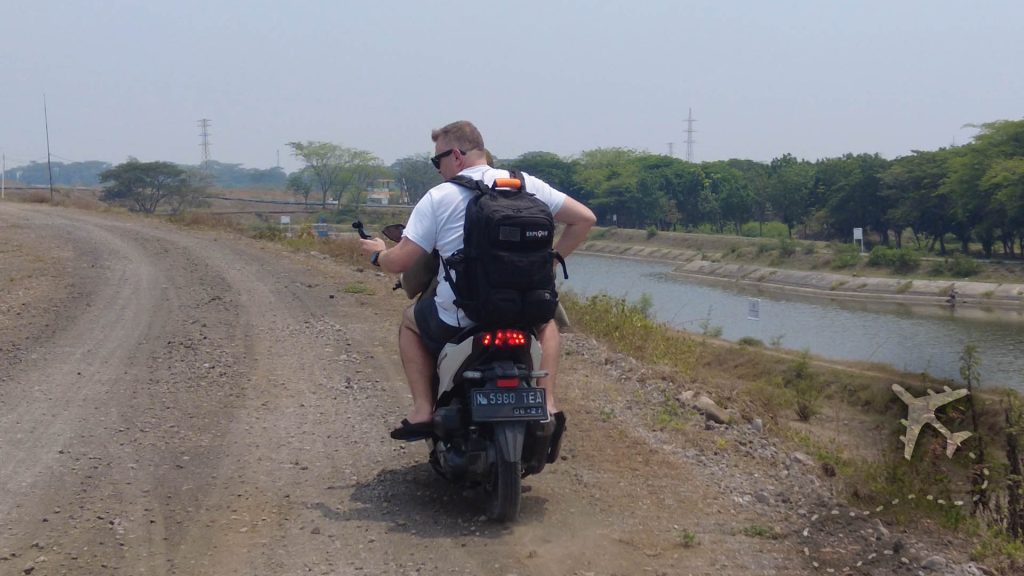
(437, 223)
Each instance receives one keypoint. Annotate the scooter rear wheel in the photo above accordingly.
(504, 490)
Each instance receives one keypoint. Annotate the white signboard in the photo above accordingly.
(754, 309)
(858, 233)
(286, 220)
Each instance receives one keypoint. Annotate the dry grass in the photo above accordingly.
(207, 220)
(344, 250)
(34, 197)
(855, 425)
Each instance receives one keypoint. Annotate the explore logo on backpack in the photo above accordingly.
(504, 273)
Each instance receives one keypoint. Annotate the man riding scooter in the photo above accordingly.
(437, 223)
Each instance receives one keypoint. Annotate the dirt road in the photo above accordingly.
(181, 402)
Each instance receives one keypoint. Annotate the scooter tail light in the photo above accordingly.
(507, 338)
(508, 382)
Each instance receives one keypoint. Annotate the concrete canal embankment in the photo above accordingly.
(822, 284)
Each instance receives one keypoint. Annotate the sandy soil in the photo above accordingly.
(182, 402)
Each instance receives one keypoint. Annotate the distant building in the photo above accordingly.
(379, 193)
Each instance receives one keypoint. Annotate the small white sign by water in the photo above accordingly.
(754, 309)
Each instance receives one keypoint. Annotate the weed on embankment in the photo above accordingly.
(847, 418)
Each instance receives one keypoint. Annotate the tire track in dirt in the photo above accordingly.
(231, 417)
(69, 375)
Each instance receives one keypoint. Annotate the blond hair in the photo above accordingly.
(461, 134)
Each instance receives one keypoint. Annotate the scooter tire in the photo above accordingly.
(504, 491)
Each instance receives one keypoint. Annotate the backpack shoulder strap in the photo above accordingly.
(480, 187)
(477, 186)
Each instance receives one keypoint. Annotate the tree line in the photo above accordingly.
(969, 193)
(87, 174)
(973, 192)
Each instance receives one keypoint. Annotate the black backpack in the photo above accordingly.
(504, 273)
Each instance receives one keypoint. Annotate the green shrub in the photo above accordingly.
(845, 256)
(357, 288)
(880, 256)
(962, 266)
(787, 247)
(651, 232)
(806, 388)
(750, 230)
(750, 341)
(268, 231)
(901, 260)
(686, 538)
(630, 329)
(710, 330)
(770, 230)
(770, 395)
(905, 260)
(759, 531)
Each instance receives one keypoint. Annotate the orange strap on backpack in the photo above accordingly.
(513, 183)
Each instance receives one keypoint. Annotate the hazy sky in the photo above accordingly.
(815, 78)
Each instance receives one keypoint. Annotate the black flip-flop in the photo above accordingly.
(411, 432)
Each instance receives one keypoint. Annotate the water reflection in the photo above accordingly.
(913, 338)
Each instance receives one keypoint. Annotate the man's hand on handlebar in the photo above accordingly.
(368, 243)
(372, 245)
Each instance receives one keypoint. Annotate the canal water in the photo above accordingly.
(920, 338)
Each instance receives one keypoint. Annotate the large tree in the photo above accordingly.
(357, 169)
(415, 175)
(727, 191)
(321, 163)
(975, 192)
(911, 186)
(789, 188)
(550, 168)
(851, 194)
(1004, 180)
(300, 183)
(338, 170)
(602, 171)
(755, 180)
(143, 186)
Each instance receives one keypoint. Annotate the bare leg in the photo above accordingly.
(419, 367)
(551, 349)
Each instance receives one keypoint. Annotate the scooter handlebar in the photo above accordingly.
(358, 225)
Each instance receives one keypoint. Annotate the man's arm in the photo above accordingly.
(394, 260)
(578, 220)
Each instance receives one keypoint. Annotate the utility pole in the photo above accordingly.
(3, 177)
(689, 136)
(278, 151)
(204, 125)
(49, 168)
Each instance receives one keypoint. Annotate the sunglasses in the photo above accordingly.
(436, 160)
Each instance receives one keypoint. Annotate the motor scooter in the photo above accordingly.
(491, 426)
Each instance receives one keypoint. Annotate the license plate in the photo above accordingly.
(490, 404)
